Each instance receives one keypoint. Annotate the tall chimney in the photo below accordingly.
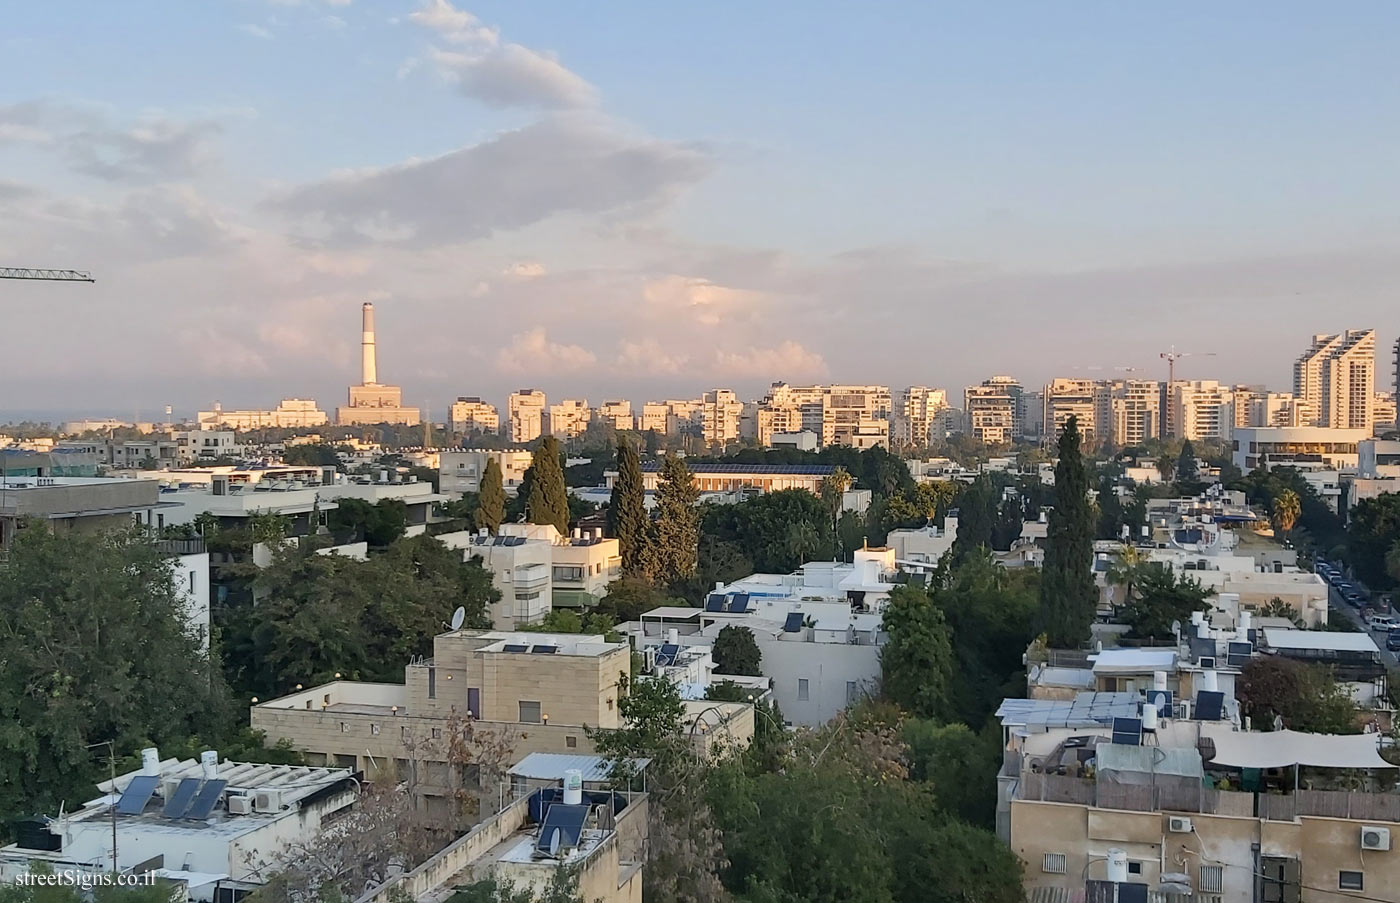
(368, 376)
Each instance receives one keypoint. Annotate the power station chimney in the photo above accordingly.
(368, 376)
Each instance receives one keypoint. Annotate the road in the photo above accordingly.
(1340, 609)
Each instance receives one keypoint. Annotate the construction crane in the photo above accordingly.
(46, 275)
(1172, 356)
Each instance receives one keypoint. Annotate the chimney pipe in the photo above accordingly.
(368, 375)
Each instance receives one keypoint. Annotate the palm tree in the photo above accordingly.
(833, 492)
(1287, 509)
(1166, 466)
(1125, 571)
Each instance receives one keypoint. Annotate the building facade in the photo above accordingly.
(290, 413)
(525, 413)
(1200, 410)
(994, 410)
(469, 413)
(920, 417)
(1335, 378)
(569, 418)
(461, 470)
(372, 402)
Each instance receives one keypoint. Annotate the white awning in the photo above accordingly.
(1281, 749)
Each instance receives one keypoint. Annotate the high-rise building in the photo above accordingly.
(719, 412)
(569, 418)
(920, 417)
(1200, 410)
(371, 402)
(1384, 413)
(525, 414)
(1134, 411)
(1335, 378)
(470, 414)
(838, 415)
(994, 410)
(1272, 409)
(1396, 384)
(1078, 398)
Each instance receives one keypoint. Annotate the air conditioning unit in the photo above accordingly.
(240, 805)
(1374, 838)
(267, 801)
(1179, 824)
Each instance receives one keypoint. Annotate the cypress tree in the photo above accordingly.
(976, 518)
(1068, 596)
(491, 498)
(548, 501)
(627, 513)
(677, 521)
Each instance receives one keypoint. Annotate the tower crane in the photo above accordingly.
(46, 275)
(1172, 356)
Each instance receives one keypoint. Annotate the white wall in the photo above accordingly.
(191, 576)
(826, 667)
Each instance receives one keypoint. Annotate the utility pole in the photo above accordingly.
(112, 766)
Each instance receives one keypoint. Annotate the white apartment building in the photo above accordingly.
(921, 416)
(1200, 410)
(840, 415)
(616, 414)
(1378, 459)
(1267, 446)
(461, 470)
(191, 445)
(525, 412)
(1274, 409)
(218, 828)
(994, 410)
(290, 413)
(469, 413)
(569, 418)
(1134, 412)
(670, 417)
(1336, 378)
(1383, 411)
(1078, 398)
(720, 412)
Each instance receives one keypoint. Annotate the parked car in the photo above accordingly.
(1392, 640)
(1384, 622)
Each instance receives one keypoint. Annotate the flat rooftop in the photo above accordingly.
(1322, 640)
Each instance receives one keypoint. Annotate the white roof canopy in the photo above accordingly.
(1280, 749)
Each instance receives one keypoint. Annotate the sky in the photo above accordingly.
(644, 200)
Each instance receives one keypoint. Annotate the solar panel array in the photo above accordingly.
(667, 654)
(180, 800)
(1239, 654)
(811, 470)
(562, 828)
(1162, 699)
(137, 794)
(544, 650)
(793, 623)
(1087, 709)
(202, 806)
(715, 602)
(514, 647)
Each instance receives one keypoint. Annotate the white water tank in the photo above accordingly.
(673, 636)
(209, 764)
(1203, 630)
(1208, 682)
(1159, 680)
(1198, 617)
(1117, 866)
(573, 787)
(1149, 716)
(1246, 622)
(150, 761)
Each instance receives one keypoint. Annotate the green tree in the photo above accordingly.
(548, 501)
(850, 533)
(1160, 597)
(1009, 524)
(491, 500)
(916, 662)
(627, 515)
(757, 529)
(312, 454)
(677, 529)
(1373, 529)
(1305, 697)
(378, 524)
(1067, 593)
(736, 652)
(1187, 470)
(95, 645)
(629, 598)
(976, 518)
(960, 764)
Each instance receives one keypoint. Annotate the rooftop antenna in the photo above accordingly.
(458, 618)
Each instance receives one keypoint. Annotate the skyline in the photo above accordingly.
(534, 196)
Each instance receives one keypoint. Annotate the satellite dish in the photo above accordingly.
(1176, 629)
(458, 617)
(554, 842)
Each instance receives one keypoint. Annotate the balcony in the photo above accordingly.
(531, 578)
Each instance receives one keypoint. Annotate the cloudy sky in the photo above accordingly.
(640, 199)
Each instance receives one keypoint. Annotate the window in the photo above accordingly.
(801, 689)
(437, 733)
(529, 712)
(568, 574)
(1349, 881)
(432, 683)
(1134, 867)
(344, 728)
(374, 730)
(1211, 879)
(571, 742)
(191, 581)
(1054, 864)
(403, 734)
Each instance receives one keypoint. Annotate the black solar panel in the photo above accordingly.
(740, 603)
(669, 651)
(202, 806)
(515, 647)
(137, 794)
(562, 828)
(793, 622)
(180, 800)
(1127, 731)
(1210, 705)
(715, 602)
(1162, 699)
(815, 470)
(544, 650)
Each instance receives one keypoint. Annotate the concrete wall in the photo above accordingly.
(92, 496)
(827, 668)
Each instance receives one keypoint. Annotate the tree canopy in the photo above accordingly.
(762, 529)
(1304, 697)
(491, 497)
(1068, 596)
(627, 516)
(916, 663)
(547, 500)
(1157, 596)
(677, 527)
(736, 652)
